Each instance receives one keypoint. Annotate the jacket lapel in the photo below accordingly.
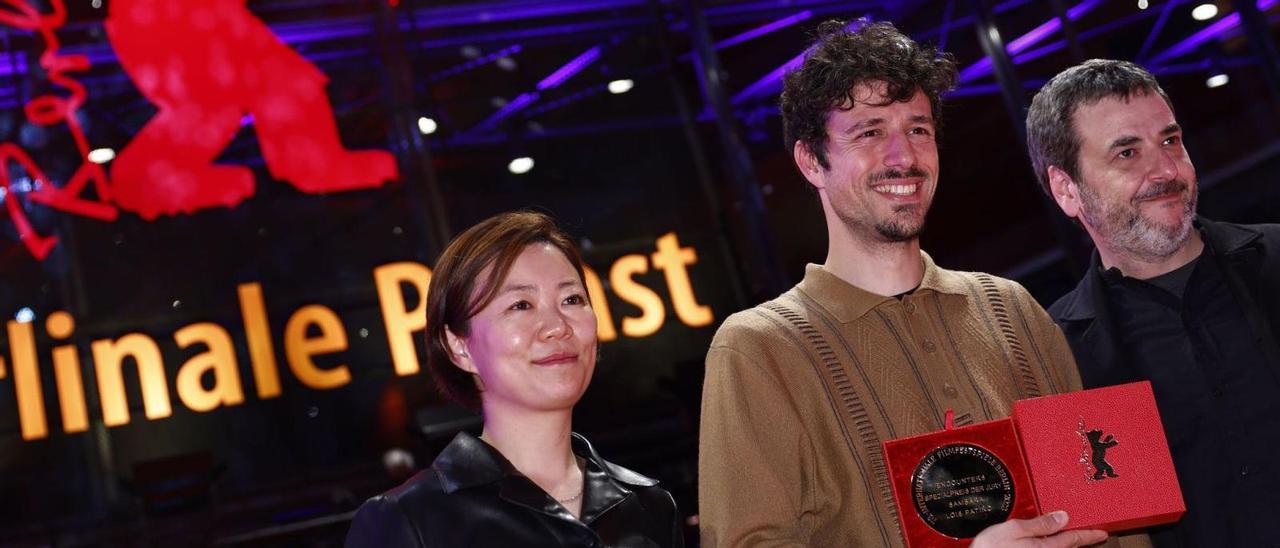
(1098, 352)
(521, 491)
(1240, 259)
(604, 489)
(469, 462)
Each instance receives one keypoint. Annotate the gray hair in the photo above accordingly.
(1052, 139)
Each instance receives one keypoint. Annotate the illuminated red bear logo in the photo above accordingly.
(205, 65)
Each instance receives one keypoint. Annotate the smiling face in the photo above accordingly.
(883, 165)
(1136, 192)
(533, 347)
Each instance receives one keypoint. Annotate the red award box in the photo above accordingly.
(1099, 454)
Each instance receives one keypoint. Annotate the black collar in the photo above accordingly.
(1219, 238)
(1226, 238)
(470, 462)
(1087, 295)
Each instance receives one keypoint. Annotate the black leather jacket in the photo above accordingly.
(472, 496)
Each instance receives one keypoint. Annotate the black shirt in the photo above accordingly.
(1219, 403)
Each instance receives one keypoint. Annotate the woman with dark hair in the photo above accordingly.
(511, 332)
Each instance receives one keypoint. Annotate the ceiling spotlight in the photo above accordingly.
(426, 125)
(621, 86)
(101, 155)
(506, 63)
(521, 165)
(1143, 4)
(1217, 80)
(1204, 12)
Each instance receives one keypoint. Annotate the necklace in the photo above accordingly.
(581, 486)
(571, 499)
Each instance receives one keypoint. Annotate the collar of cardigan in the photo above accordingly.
(848, 302)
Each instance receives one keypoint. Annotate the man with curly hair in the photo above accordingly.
(877, 342)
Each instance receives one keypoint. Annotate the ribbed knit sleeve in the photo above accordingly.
(755, 461)
(1055, 351)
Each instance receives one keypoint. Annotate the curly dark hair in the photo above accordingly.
(458, 290)
(840, 59)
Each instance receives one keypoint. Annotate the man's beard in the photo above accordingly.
(1125, 229)
(894, 229)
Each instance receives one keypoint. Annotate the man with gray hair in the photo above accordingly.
(1190, 304)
